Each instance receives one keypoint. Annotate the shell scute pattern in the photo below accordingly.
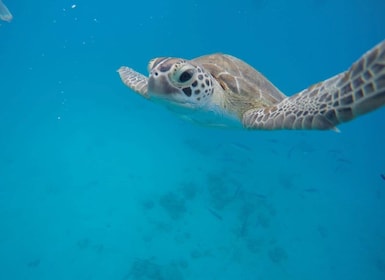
(240, 78)
(223, 87)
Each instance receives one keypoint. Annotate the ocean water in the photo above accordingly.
(98, 183)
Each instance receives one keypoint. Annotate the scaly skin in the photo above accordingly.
(339, 99)
(134, 80)
(225, 87)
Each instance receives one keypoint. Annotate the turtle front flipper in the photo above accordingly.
(134, 80)
(339, 99)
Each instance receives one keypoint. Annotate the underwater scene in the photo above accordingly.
(97, 182)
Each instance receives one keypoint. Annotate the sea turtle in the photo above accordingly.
(222, 90)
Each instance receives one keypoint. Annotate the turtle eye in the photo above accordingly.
(186, 76)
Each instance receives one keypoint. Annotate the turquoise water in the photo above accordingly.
(98, 183)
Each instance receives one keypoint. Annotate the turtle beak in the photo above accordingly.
(160, 85)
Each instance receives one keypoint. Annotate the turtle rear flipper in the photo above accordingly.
(339, 99)
(134, 80)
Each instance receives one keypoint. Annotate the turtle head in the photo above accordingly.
(180, 82)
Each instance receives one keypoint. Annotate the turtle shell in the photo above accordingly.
(242, 84)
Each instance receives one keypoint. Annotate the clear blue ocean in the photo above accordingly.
(98, 183)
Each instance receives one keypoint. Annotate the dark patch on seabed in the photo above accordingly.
(220, 201)
(382, 176)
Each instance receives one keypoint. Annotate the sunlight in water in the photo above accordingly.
(5, 14)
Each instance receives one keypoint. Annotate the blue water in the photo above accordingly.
(98, 183)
